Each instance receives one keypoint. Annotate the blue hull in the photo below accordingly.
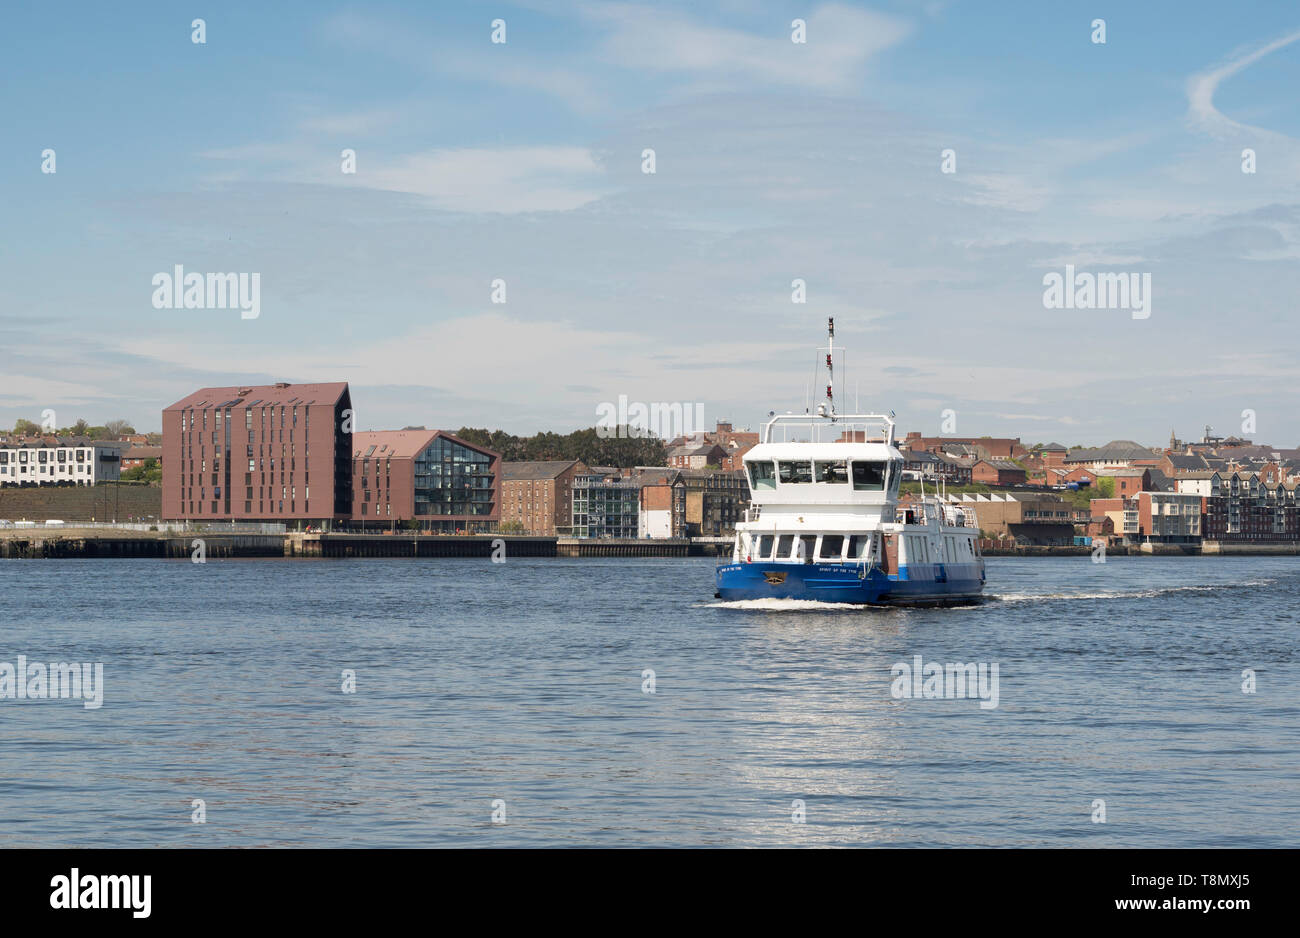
(936, 584)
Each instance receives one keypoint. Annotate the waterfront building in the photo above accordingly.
(605, 505)
(428, 480)
(278, 452)
(1122, 514)
(658, 502)
(1030, 518)
(1169, 517)
(538, 496)
(709, 504)
(660, 513)
(1246, 506)
(59, 460)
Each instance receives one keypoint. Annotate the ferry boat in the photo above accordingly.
(824, 522)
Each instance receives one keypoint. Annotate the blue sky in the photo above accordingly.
(775, 161)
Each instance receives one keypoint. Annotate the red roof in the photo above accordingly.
(390, 444)
(402, 444)
(263, 394)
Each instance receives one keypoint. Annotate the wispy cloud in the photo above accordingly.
(1202, 87)
(507, 180)
(840, 42)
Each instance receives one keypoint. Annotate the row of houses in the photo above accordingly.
(55, 460)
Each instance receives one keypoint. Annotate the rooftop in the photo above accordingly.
(263, 395)
(390, 444)
(534, 471)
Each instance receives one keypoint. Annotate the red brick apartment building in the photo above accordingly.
(430, 477)
(539, 495)
(259, 453)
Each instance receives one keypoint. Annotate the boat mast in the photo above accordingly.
(830, 367)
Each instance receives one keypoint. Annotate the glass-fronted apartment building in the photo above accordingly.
(605, 506)
(424, 479)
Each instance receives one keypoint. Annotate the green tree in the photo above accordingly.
(149, 471)
(587, 445)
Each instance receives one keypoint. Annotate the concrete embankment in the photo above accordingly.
(71, 542)
(1228, 548)
(415, 545)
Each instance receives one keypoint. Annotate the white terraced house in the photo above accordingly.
(42, 462)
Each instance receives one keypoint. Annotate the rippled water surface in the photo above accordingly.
(523, 682)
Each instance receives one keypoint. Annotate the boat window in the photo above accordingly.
(807, 544)
(783, 545)
(792, 472)
(833, 471)
(832, 546)
(895, 477)
(868, 476)
(764, 547)
(858, 546)
(761, 475)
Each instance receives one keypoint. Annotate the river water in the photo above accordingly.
(520, 689)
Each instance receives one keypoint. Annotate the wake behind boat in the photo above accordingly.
(824, 521)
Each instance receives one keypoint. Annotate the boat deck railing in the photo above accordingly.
(821, 428)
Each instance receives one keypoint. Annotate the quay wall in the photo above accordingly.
(72, 541)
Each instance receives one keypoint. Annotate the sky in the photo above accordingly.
(774, 161)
